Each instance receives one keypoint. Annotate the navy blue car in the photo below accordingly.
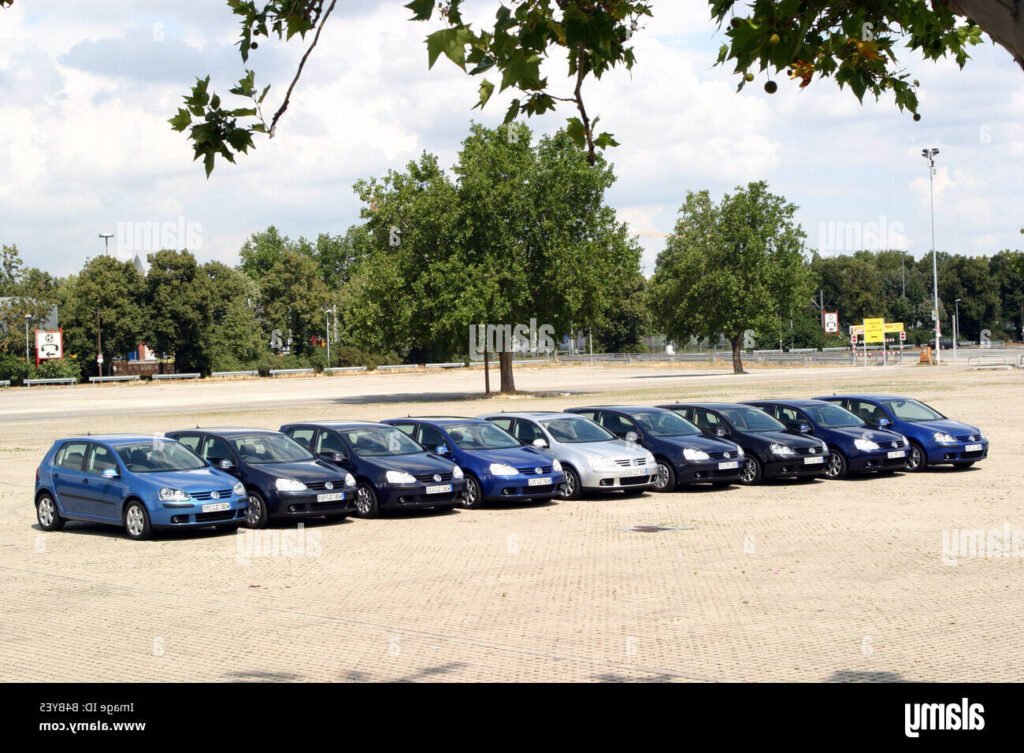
(281, 477)
(934, 439)
(136, 481)
(683, 453)
(392, 471)
(855, 447)
(497, 466)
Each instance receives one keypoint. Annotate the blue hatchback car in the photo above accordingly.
(854, 446)
(934, 439)
(138, 482)
(497, 466)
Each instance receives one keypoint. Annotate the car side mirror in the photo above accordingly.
(631, 436)
(805, 429)
(884, 423)
(334, 457)
(110, 473)
(721, 431)
(224, 464)
(540, 444)
(441, 449)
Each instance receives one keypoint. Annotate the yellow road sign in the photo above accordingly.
(874, 330)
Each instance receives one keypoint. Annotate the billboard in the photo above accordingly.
(830, 322)
(49, 344)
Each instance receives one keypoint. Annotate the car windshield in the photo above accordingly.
(380, 441)
(665, 424)
(833, 416)
(257, 449)
(576, 430)
(158, 456)
(751, 419)
(912, 410)
(481, 436)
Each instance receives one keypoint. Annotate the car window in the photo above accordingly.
(706, 420)
(834, 416)
(406, 428)
(158, 455)
(71, 456)
(303, 436)
(481, 436)
(616, 424)
(217, 449)
(263, 448)
(527, 431)
(380, 441)
(788, 415)
(591, 414)
(576, 429)
(100, 459)
(328, 441)
(665, 424)
(751, 419)
(912, 410)
(866, 411)
(504, 422)
(431, 437)
(191, 441)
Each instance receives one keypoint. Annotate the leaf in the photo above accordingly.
(605, 140)
(486, 90)
(422, 10)
(182, 120)
(577, 132)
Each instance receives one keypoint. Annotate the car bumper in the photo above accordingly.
(795, 467)
(307, 505)
(412, 496)
(192, 516)
(511, 488)
(877, 461)
(957, 453)
(606, 481)
(702, 473)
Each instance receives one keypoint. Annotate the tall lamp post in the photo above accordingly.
(106, 242)
(930, 154)
(956, 326)
(28, 353)
(327, 326)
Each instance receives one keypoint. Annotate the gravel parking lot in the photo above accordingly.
(837, 580)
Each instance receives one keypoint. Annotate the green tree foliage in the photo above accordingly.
(627, 319)
(293, 298)
(179, 309)
(730, 267)
(236, 339)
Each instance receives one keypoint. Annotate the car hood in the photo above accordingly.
(419, 463)
(786, 438)
(613, 448)
(864, 432)
(303, 470)
(514, 456)
(947, 426)
(701, 442)
(201, 480)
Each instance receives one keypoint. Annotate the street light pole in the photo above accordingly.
(28, 354)
(106, 242)
(956, 326)
(930, 154)
(327, 316)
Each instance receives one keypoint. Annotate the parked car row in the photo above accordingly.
(226, 477)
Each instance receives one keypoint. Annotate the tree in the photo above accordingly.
(627, 318)
(1007, 271)
(262, 251)
(854, 44)
(731, 267)
(179, 309)
(235, 338)
(293, 298)
(107, 294)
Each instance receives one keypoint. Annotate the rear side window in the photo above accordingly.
(706, 420)
(303, 437)
(789, 415)
(866, 411)
(191, 441)
(527, 431)
(330, 442)
(100, 459)
(71, 456)
(616, 424)
(504, 423)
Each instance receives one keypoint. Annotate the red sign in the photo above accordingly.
(903, 336)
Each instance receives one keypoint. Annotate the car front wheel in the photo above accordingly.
(136, 521)
(752, 471)
(473, 497)
(836, 467)
(666, 481)
(571, 487)
(47, 513)
(257, 515)
(916, 459)
(367, 505)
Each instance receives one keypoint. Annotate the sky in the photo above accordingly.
(86, 90)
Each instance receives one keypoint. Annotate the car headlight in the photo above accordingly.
(865, 444)
(457, 472)
(740, 452)
(943, 438)
(173, 495)
(350, 480)
(604, 465)
(400, 477)
(289, 485)
(780, 449)
(239, 489)
(648, 458)
(691, 454)
(500, 469)
(555, 465)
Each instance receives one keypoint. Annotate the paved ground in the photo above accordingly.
(824, 581)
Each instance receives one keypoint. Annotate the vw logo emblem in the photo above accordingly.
(726, 455)
(538, 471)
(329, 485)
(437, 477)
(214, 495)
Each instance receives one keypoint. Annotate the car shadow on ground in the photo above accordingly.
(851, 675)
(80, 527)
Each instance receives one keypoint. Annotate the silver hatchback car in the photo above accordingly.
(594, 459)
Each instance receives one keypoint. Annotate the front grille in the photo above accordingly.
(727, 455)
(630, 462)
(528, 470)
(969, 438)
(634, 480)
(809, 451)
(428, 478)
(209, 517)
(205, 496)
(319, 486)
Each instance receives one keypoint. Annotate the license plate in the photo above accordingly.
(730, 464)
(635, 474)
(216, 507)
(332, 497)
(814, 461)
(540, 482)
(898, 454)
(972, 448)
(439, 489)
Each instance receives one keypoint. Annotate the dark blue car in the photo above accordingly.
(855, 447)
(934, 439)
(683, 453)
(393, 472)
(497, 466)
(138, 482)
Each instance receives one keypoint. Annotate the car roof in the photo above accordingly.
(862, 396)
(800, 402)
(713, 406)
(113, 439)
(227, 431)
(334, 424)
(439, 420)
(621, 408)
(537, 415)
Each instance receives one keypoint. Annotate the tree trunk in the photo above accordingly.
(737, 356)
(508, 381)
(487, 372)
(1000, 20)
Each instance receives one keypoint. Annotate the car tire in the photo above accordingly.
(836, 467)
(136, 521)
(367, 505)
(47, 513)
(473, 496)
(917, 460)
(964, 465)
(337, 517)
(443, 508)
(571, 487)
(722, 484)
(753, 471)
(666, 477)
(633, 492)
(228, 527)
(257, 516)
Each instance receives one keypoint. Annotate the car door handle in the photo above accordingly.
(85, 481)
